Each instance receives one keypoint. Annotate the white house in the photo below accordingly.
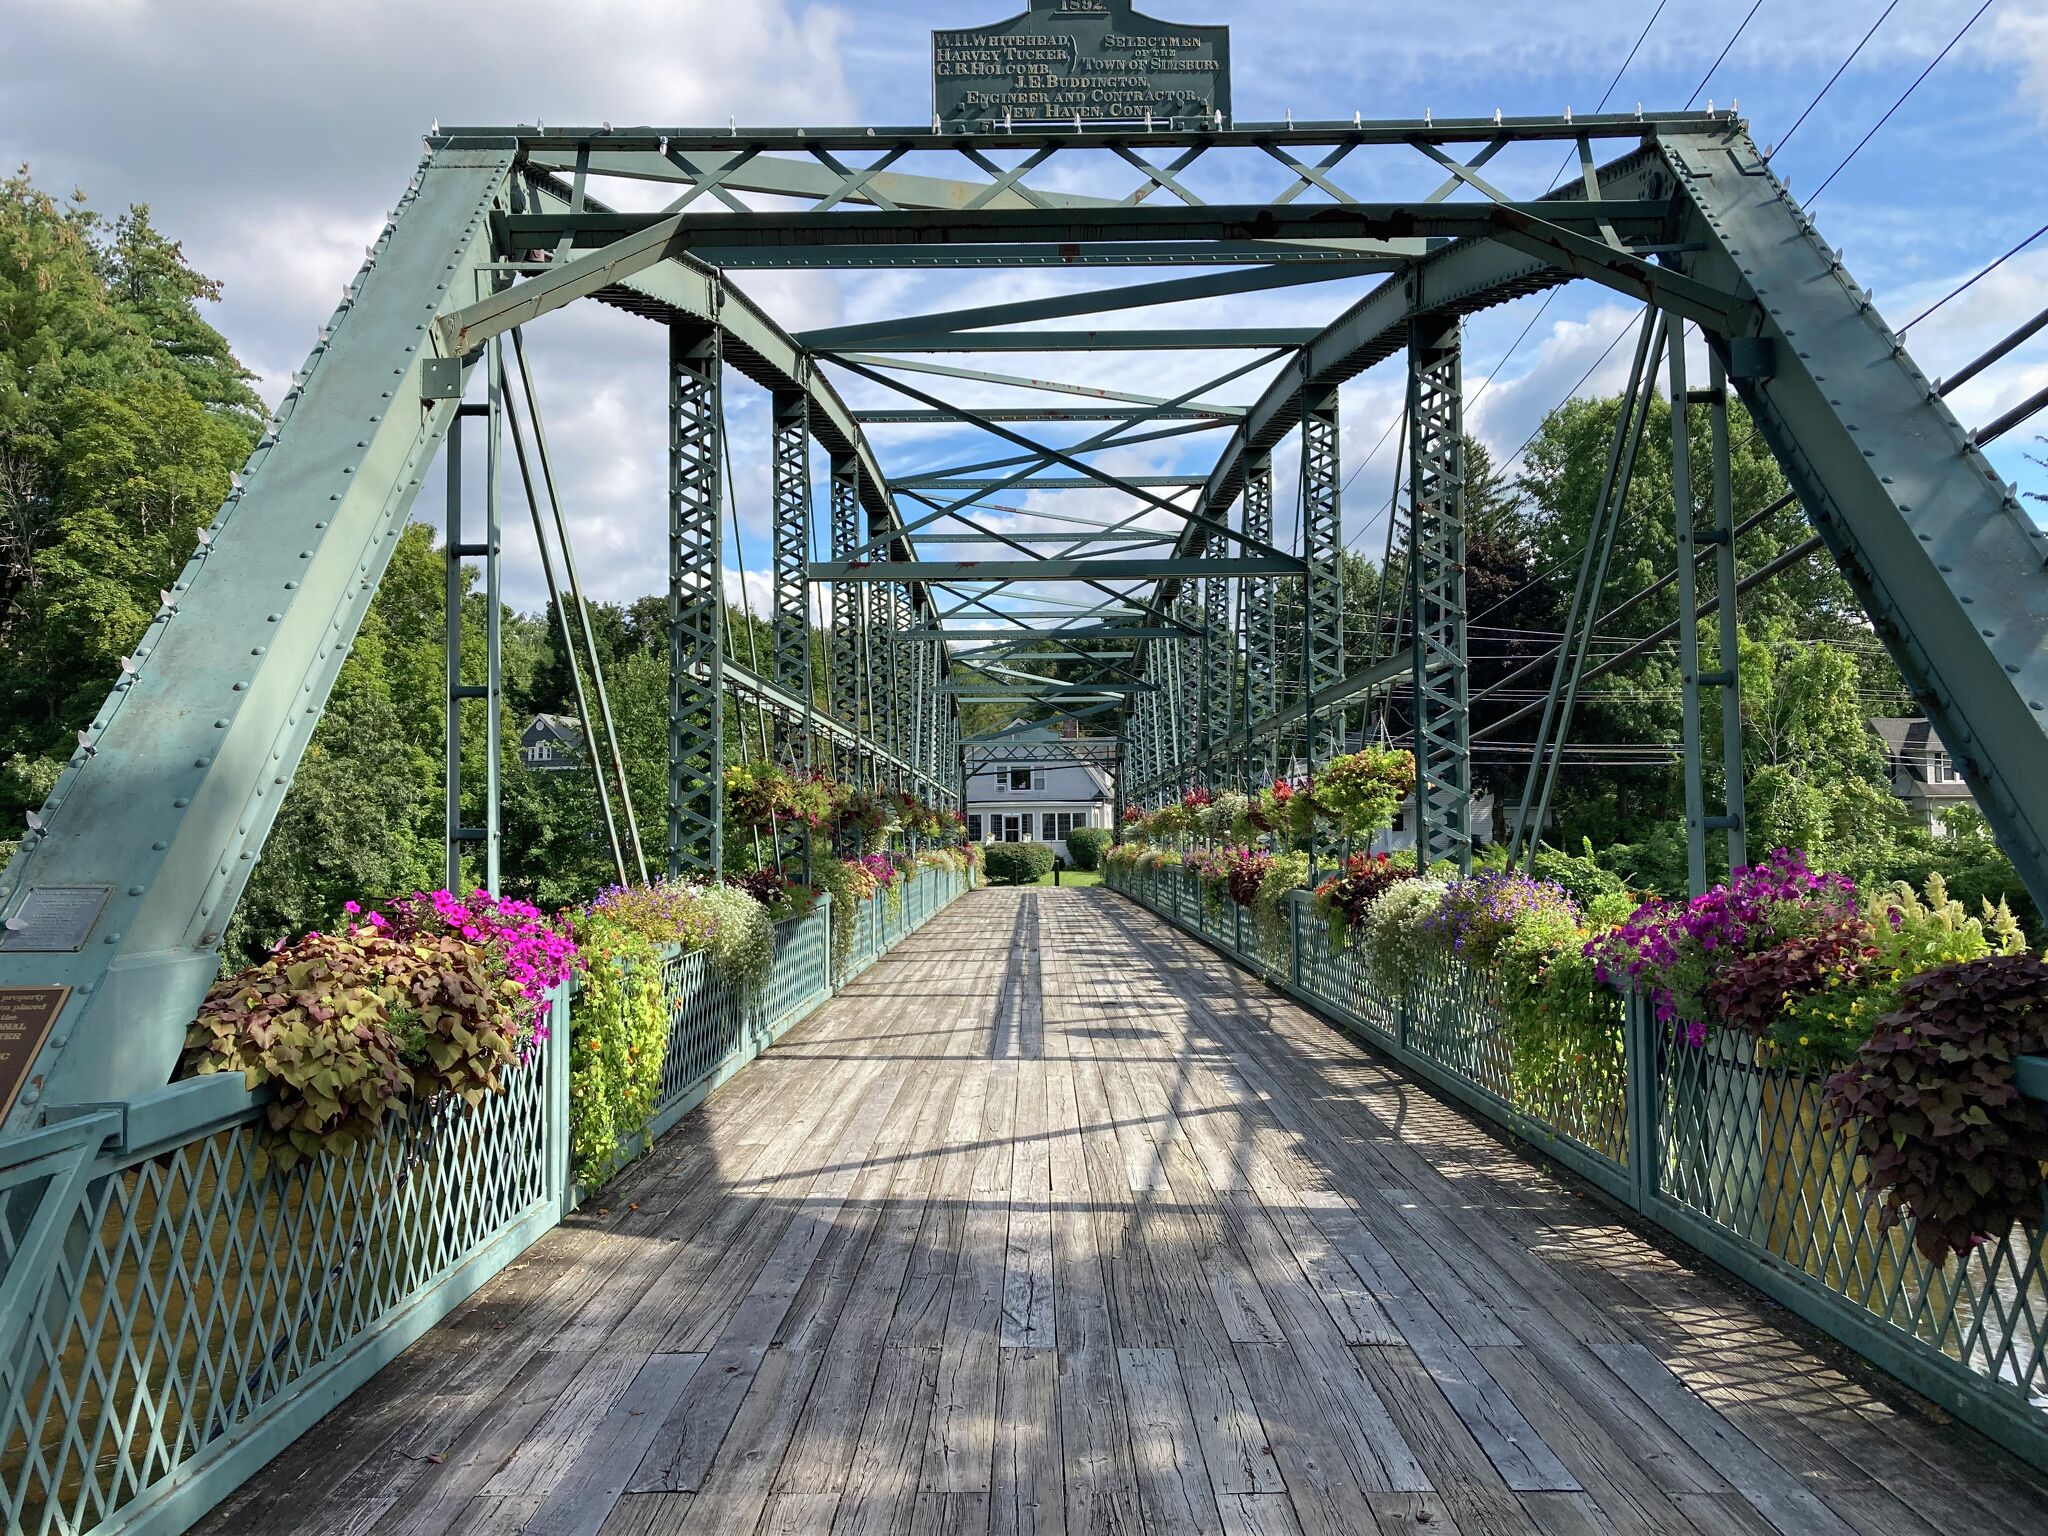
(551, 744)
(1922, 773)
(1029, 801)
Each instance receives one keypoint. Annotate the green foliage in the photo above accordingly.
(1361, 791)
(1825, 1025)
(1564, 1023)
(1394, 935)
(1287, 874)
(347, 1027)
(620, 1041)
(122, 414)
(1018, 863)
(1581, 874)
(837, 880)
(1947, 1137)
(743, 938)
(1087, 845)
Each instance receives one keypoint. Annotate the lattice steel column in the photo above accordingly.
(1261, 639)
(885, 694)
(1218, 665)
(1436, 584)
(1323, 584)
(848, 641)
(792, 539)
(696, 605)
(1189, 659)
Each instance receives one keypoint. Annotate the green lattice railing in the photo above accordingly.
(1732, 1154)
(173, 1314)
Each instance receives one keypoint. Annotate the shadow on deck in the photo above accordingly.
(1057, 1222)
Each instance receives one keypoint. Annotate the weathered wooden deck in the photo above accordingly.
(1057, 1223)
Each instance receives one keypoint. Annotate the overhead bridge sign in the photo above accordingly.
(1095, 61)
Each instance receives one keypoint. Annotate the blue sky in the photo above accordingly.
(271, 139)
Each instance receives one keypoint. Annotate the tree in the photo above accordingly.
(122, 415)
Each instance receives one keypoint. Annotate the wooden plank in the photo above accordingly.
(1028, 1495)
(1768, 1487)
(580, 1503)
(1258, 1514)
(881, 1485)
(961, 1455)
(1173, 1480)
(1307, 1444)
(680, 1454)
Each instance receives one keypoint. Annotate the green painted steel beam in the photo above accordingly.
(929, 417)
(1107, 568)
(156, 823)
(751, 171)
(1062, 306)
(939, 539)
(1019, 381)
(1220, 338)
(1051, 226)
(1948, 564)
(1090, 632)
(533, 139)
(1046, 483)
(1379, 256)
(1460, 279)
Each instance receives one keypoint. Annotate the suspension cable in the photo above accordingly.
(1898, 104)
(1893, 6)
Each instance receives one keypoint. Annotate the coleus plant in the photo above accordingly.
(1933, 1105)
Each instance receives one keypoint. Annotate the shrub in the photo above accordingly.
(1018, 863)
(1478, 914)
(1284, 874)
(1946, 1135)
(1581, 874)
(621, 1035)
(837, 880)
(1087, 845)
(1341, 901)
(1392, 934)
(538, 953)
(861, 818)
(1564, 1023)
(346, 1027)
(1246, 872)
(1676, 950)
(742, 937)
(1361, 791)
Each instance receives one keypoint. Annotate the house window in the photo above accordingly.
(974, 829)
(1940, 770)
(1019, 778)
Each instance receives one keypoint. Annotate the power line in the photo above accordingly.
(1833, 78)
(1641, 38)
(1722, 56)
(1899, 103)
(1961, 288)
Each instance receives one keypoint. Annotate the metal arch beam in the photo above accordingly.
(644, 238)
(568, 139)
(755, 345)
(1946, 562)
(1063, 306)
(1457, 280)
(166, 806)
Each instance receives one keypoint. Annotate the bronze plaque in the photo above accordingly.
(27, 1015)
(55, 919)
(1095, 61)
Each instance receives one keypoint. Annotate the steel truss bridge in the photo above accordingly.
(1191, 634)
(1165, 618)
